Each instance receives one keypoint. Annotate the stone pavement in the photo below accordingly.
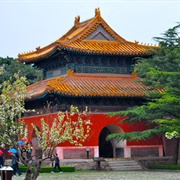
(109, 175)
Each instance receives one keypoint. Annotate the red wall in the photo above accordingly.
(99, 121)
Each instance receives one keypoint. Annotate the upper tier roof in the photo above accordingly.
(91, 36)
(88, 85)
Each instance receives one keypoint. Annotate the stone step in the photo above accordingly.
(116, 166)
(123, 165)
(122, 162)
(126, 169)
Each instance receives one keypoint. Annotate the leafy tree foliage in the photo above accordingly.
(65, 128)
(12, 66)
(73, 127)
(161, 73)
(11, 109)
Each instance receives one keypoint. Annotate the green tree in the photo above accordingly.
(11, 109)
(12, 66)
(71, 126)
(161, 73)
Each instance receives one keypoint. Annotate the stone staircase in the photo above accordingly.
(122, 164)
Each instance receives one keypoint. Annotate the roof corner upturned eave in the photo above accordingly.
(39, 53)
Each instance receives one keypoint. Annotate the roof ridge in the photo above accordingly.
(91, 25)
(88, 75)
(84, 22)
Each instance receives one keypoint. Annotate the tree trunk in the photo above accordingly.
(37, 168)
(33, 174)
(176, 151)
(28, 174)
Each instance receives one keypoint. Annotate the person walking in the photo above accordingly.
(1, 161)
(15, 165)
(56, 164)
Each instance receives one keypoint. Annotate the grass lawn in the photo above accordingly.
(109, 175)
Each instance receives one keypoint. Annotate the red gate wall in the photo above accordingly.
(99, 121)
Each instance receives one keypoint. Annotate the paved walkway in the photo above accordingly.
(109, 175)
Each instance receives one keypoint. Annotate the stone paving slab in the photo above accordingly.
(108, 175)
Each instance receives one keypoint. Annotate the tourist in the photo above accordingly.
(1, 161)
(56, 164)
(24, 152)
(29, 150)
(15, 165)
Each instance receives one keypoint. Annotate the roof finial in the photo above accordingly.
(136, 42)
(70, 72)
(76, 21)
(38, 48)
(134, 74)
(97, 12)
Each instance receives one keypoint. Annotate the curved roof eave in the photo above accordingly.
(36, 97)
(93, 85)
(38, 54)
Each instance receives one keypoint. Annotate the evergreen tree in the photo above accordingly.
(11, 66)
(161, 73)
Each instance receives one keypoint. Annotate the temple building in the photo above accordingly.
(91, 65)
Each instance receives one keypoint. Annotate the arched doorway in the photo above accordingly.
(105, 147)
(111, 148)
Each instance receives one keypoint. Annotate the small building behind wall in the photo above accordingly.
(91, 65)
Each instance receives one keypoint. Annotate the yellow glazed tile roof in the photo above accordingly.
(88, 85)
(107, 47)
(75, 39)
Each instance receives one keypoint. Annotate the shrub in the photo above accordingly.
(49, 169)
(159, 166)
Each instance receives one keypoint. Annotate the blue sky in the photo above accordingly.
(27, 24)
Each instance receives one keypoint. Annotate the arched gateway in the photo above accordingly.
(111, 148)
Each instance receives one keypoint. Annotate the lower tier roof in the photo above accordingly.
(88, 85)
